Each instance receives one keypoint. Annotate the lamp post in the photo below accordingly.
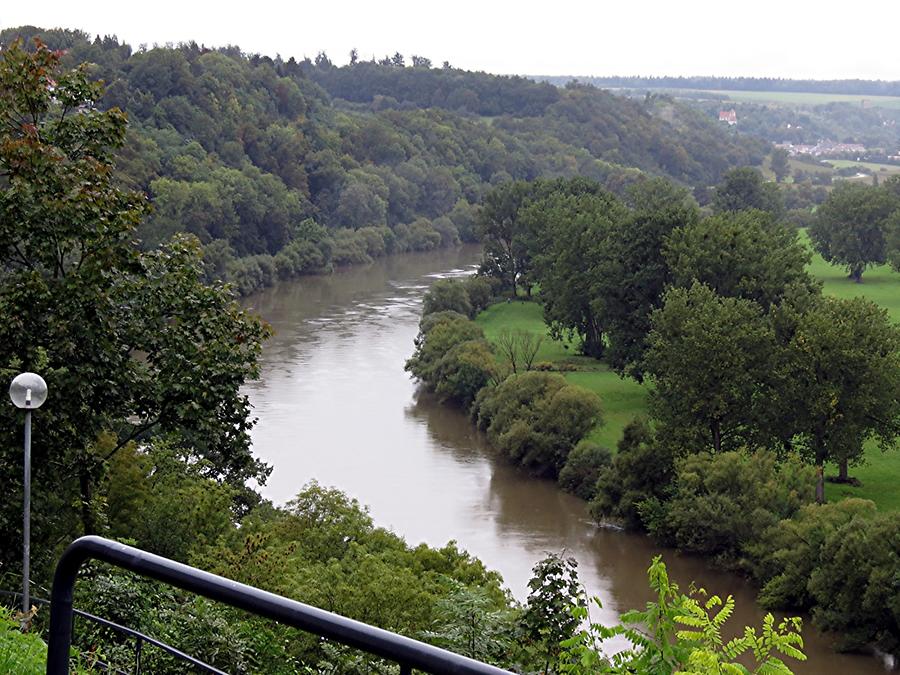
(27, 391)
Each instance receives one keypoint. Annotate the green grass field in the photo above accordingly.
(624, 399)
(806, 98)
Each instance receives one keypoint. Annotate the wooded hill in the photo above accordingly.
(283, 167)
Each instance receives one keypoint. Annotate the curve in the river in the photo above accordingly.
(335, 405)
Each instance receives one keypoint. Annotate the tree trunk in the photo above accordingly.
(717, 437)
(820, 482)
(856, 272)
(843, 474)
(87, 512)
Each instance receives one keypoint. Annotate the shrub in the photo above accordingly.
(583, 467)
(536, 419)
(438, 334)
(638, 475)
(723, 504)
(447, 295)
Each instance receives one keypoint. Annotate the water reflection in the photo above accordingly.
(335, 405)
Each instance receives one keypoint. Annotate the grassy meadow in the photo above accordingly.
(624, 399)
(807, 98)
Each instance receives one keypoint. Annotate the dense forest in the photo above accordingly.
(285, 167)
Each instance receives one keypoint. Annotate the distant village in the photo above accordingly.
(824, 148)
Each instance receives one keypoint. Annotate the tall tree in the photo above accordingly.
(745, 254)
(633, 273)
(709, 357)
(842, 371)
(745, 188)
(505, 255)
(572, 231)
(849, 229)
(780, 166)
(130, 343)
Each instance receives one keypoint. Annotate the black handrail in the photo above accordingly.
(405, 651)
(140, 638)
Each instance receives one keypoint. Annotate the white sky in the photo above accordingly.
(824, 39)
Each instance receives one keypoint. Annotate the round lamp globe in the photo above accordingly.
(28, 390)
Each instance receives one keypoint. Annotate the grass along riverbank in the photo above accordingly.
(624, 399)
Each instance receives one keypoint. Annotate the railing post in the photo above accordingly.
(138, 646)
(61, 611)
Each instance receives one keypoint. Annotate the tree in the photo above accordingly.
(841, 372)
(548, 619)
(780, 166)
(447, 295)
(130, 343)
(501, 235)
(519, 347)
(745, 254)
(745, 188)
(709, 358)
(570, 229)
(849, 229)
(633, 272)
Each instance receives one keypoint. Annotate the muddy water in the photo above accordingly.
(335, 405)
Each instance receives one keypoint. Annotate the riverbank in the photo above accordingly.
(334, 404)
(624, 399)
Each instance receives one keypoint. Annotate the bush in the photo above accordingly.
(638, 475)
(447, 295)
(480, 292)
(536, 419)
(583, 467)
(464, 370)
(438, 334)
(838, 561)
(790, 552)
(21, 653)
(722, 505)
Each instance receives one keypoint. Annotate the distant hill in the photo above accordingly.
(285, 167)
(848, 87)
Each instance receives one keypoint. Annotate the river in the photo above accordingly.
(334, 405)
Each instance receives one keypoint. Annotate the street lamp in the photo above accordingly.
(27, 391)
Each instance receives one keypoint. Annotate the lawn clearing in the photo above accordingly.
(625, 399)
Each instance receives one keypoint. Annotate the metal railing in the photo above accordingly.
(140, 640)
(408, 653)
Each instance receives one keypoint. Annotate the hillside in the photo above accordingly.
(284, 167)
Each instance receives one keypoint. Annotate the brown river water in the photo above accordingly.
(334, 405)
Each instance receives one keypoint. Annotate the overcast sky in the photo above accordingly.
(784, 38)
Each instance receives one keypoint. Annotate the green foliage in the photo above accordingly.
(23, 653)
(682, 634)
(743, 189)
(469, 623)
(790, 551)
(632, 271)
(850, 226)
(858, 346)
(746, 254)
(709, 356)
(131, 343)
(447, 295)
(165, 503)
(583, 466)
(536, 419)
(637, 478)
(722, 505)
(439, 333)
(838, 561)
(548, 620)
(569, 226)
